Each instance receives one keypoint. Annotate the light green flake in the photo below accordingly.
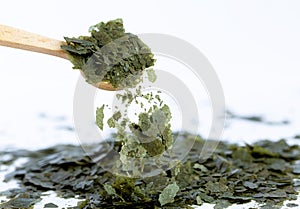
(199, 200)
(100, 117)
(168, 194)
(167, 112)
(116, 116)
(109, 189)
(111, 122)
(151, 75)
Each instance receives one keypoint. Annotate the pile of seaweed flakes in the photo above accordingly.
(265, 171)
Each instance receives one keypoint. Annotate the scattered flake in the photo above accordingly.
(109, 189)
(168, 194)
(151, 75)
(222, 204)
(292, 205)
(50, 205)
(296, 168)
(199, 200)
(20, 201)
(258, 150)
(200, 167)
(100, 117)
(256, 118)
(250, 185)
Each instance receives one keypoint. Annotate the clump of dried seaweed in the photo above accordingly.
(109, 54)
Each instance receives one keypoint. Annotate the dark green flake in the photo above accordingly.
(296, 168)
(292, 205)
(250, 185)
(50, 205)
(20, 201)
(256, 118)
(222, 204)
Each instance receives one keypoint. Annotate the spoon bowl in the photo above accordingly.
(20, 39)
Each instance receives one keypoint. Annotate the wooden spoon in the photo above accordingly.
(20, 39)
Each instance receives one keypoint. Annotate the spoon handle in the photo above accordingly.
(20, 39)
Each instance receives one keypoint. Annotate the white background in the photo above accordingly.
(254, 47)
